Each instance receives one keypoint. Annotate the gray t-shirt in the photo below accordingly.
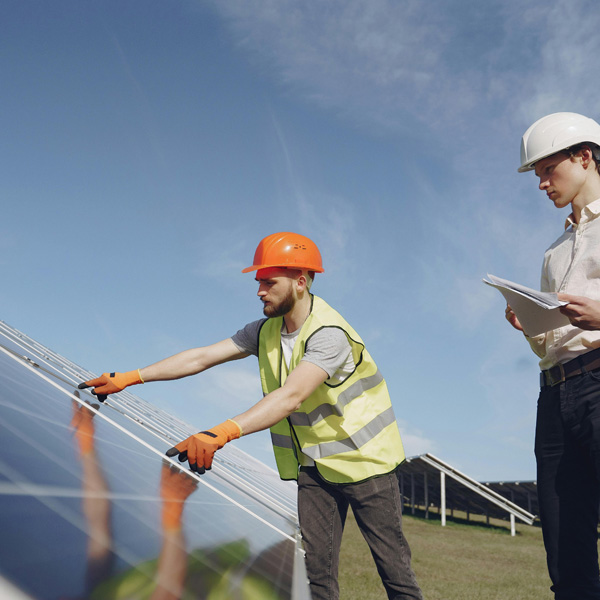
(328, 348)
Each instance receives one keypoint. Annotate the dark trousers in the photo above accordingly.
(567, 449)
(377, 506)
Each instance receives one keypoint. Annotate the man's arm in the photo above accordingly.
(582, 312)
(192, 362)
(189, 362)
(199, 449)
(282, 402)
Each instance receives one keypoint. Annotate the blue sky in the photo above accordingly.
(148, 146)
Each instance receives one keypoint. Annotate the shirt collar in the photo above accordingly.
(589, 212)
(569, 222)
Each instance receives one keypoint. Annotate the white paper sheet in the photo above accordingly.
(537, 312)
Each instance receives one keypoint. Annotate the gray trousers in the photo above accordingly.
(377, 507)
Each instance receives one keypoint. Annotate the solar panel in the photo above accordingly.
(90, 507)
(523, 493)
(421, 484)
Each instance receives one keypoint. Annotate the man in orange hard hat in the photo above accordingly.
(328, 408)
(563, 149)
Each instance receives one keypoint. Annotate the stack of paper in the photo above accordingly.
(537, 312)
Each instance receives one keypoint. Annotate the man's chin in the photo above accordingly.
(273, 311)
(269, 311)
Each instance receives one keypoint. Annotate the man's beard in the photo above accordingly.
(282, 308)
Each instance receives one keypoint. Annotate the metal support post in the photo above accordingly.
(443, 497)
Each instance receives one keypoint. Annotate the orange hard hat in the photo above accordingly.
(288, 250)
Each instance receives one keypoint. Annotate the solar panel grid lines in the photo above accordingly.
(264, 493)
(52, 501)
(202, 480)
(146, 414)
(60, 365)
(138, 409)
(259, 487)
(236, 526)
(27, 342)
(285, 509)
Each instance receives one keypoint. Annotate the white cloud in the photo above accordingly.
(566, 78)
(427, 67)
(422, 70)
(232, 387)
(379, 58)
(414, 440)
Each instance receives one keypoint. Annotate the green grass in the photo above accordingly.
(457, 562)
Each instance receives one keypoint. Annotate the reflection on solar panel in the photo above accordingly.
(91, 508)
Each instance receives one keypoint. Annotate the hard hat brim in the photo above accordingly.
(297, 267)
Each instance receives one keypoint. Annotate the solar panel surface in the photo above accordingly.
(91, 508)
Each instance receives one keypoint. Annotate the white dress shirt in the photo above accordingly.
(572, 266)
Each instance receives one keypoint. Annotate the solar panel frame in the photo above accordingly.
(38, 395)
(421, 486)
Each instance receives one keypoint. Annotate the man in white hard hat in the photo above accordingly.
(564, 151)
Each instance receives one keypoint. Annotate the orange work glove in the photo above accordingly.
(200, 448)
(111, 383)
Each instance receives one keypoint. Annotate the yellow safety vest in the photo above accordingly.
(348, 430)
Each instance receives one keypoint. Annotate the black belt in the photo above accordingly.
(578, 365)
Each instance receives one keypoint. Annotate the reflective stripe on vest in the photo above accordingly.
(325, 410)
(356, 440)
(282, 441)
(348, 429)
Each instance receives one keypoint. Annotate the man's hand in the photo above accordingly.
(512, 318)
(111, 383)
(582, 312)
(199, 449)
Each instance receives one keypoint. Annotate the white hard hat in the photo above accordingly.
(554, 133)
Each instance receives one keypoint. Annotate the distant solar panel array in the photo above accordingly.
(426, 482)
(523, 493)
(91, 508)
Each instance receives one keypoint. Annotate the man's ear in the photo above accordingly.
(301, 282)
(587, 156)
